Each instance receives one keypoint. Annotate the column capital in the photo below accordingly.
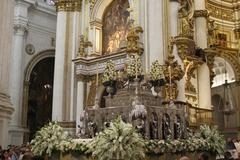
(201, 13)
(20, 29)
(68, 5)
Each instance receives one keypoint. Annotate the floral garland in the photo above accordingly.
(134, 68)
(121, 140)
(110, 73)
(156, 72)
(208, 139)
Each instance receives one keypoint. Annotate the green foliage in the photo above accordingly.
(118, 141)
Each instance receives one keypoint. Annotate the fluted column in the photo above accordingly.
(66, 49)
(6, 30)
(16, 77)
(173, 21)
(201, 39)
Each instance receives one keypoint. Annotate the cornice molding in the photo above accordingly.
(68, 5)
(201, 13)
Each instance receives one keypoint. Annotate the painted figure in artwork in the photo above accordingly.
(115, 26)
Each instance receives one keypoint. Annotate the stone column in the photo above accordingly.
(201, 39)
(68, 12)
(80, 103)
(173, 21)
(155, 31)
(6, 30)
(16, 77)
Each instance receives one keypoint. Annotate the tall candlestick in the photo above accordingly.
(170, 75)
(97, 76)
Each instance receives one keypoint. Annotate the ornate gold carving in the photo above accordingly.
(185, 46)
(201, 13)
(212, 33)
(82, 46)
(68, 5)
(170, 91)
(173, 72)
(67, 124)
(189, 67)
(185, 14)
(210, 54)
(133, 45)
(237, 33)
(220, 12)
(231, 55)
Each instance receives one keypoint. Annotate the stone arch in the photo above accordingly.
(220, 65)
(234, 63)
(37, 58)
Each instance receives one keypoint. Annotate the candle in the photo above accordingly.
(97, 76)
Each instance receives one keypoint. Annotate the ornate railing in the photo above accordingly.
(199, 116)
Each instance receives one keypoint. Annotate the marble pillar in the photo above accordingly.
(16, 77)
(80, 104)
(173, 21)
(201, 40)
(64, 92)
(6, 30)
(155, 30)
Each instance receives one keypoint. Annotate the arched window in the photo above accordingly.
(116, 22)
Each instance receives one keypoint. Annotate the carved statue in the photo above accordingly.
(140, 125)
(154, 127)
(177, 128)
(186, 12)
(92, 126)
(166, 131)
(133, 40)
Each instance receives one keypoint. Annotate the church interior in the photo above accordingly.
(165, 66)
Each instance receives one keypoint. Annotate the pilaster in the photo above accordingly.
(64, 92)
(16, 77)
(6, 109)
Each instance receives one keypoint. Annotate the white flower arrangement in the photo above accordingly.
(110, 73)
(52, 137)
(48, 139)
(134, 67)
(208, 139)
(216, 142)
(118, 141)
(156, 72)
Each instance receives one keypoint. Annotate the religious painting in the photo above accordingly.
(116, 23)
